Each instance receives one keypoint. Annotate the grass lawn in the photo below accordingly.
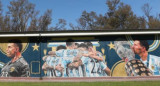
(127, 83)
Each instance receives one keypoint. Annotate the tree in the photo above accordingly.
(59, 26)
(7, 25)
(112, 5)
(20, 12)
(152, 22)
(142, 23)
(22, 16)
(119, 16)
(87, 21)
(34, 22)
(147, 10)
(1, 17)
(45, 20)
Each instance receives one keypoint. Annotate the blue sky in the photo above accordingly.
(71, 10)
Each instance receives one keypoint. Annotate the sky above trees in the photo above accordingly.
(71, 10)
(86, 14)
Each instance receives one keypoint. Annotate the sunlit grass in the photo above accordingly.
(127, 83)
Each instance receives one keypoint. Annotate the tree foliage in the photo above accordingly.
(22, 16)
(152, 22)
(20, 12)
(119, 16)
(1, 17)
(45, 20)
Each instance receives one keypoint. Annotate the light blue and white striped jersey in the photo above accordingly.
(53, 61)
(68, 56)
(98, 68)
(57, 61)
(88, 66)
(93, 67)
(76, 72)
(49, 61)
(102, 65)
(101, 71)
(153, 63)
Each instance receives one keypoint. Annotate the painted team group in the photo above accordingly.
(72, 60)
(75, 60)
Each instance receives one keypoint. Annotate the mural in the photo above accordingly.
(98, 56)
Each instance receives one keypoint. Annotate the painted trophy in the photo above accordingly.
(133, 67)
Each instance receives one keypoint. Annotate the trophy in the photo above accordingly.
(133, 67)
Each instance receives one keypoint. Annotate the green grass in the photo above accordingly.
(128, 83)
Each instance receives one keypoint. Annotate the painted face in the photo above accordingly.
(11, 50)
(137, 48)
(73, 46)
(90, 49)
(82, 49)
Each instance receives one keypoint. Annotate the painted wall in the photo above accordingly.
(35, 48)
